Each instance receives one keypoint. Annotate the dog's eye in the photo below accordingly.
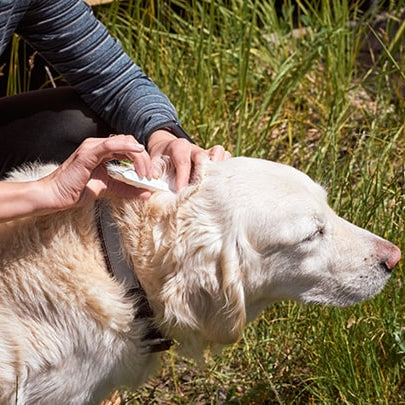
(319, 232)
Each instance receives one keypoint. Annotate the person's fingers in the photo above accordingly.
(118, 144)
(187, 159)
(198, 156)
(93, 151)
(83, 176)
(180, 154)
(185, 156)
(218, 153)
(101, 184)
(141, 159)
(122, 190)
(143, 165)
(109, 185)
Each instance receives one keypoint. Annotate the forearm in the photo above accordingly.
(79, 180)
(19, 199)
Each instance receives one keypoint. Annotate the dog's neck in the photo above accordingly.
(145, 228)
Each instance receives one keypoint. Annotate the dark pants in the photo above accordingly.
(45, 125)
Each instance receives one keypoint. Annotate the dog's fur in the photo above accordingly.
(247, 234)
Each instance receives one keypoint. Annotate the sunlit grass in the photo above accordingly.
(291, 86)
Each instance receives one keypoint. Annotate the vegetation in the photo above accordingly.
(297, 85)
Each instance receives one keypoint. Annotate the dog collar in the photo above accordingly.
(124, 273)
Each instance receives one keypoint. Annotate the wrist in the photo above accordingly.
(39, 197)
(160, 137)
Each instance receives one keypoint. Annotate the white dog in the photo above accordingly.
(248, 234)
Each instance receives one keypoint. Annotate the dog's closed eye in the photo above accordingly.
(318, 233)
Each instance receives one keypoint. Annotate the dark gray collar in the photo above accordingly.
(124, 273)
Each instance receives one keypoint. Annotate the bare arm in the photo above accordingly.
(80, 179)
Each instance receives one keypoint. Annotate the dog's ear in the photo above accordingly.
(167, 172)
(205, 301)
(228, 317)
(232, 287)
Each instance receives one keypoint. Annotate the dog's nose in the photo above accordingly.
(391, 255)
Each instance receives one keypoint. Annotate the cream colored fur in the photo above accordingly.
(249, 233)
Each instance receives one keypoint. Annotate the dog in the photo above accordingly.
(246, 234)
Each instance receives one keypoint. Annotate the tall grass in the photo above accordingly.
(240, 75)
(292, 85)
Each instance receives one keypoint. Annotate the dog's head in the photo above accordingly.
(253, 232)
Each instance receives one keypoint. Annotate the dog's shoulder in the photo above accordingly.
(30, 171)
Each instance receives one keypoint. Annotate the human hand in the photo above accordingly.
(185, 156)
(83, 176)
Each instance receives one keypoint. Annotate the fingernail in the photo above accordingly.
(139, 147)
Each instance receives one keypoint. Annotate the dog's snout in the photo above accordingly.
(390, 255)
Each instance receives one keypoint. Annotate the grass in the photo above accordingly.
(293, 86)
